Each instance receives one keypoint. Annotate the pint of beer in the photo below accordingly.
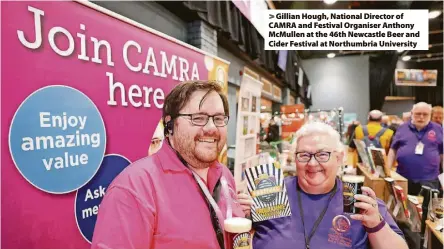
(238, 230)
(351, 186)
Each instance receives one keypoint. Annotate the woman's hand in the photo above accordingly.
(369, 215)
(246, 202)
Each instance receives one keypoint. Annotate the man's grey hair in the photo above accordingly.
(422, 104)
(318, 128)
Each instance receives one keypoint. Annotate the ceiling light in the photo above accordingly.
(429, 55)
(406, 58)
(331, 55)
(434, 14)
(330, 1)
(400, 51)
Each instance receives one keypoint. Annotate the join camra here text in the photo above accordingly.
(136, 59)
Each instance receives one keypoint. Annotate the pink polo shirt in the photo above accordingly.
(156, 203)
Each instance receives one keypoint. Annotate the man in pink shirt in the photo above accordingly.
(178, 197)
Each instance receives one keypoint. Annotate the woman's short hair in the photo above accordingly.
(318, 128)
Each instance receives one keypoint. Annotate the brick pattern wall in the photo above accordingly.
(202, 36)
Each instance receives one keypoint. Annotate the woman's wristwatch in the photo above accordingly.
(376, 228)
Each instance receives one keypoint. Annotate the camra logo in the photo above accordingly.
(241, 241)
(266, 188)
(431, 135)
(341, 223)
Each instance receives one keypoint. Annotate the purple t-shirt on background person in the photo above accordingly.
(413, 166)
(336, 230)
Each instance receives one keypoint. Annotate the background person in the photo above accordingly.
(417, 148)
(385, 121)
(406, 116)
(157, 140)
(374, 133)
(273, 132)
(437, 112)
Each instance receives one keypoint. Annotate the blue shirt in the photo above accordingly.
(342, 232)
(413, 166)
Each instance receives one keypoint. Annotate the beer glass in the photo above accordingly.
(238, 231)
(351, 186)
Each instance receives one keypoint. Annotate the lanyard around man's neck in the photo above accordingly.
(215, 211)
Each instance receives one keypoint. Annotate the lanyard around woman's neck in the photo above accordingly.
(318, 220)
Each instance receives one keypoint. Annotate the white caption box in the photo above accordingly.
(347, 30)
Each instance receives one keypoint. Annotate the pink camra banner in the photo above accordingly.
(82, 95)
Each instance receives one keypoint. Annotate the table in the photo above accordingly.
(379, 185)
(434, 240)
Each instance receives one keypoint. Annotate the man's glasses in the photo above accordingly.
(321, 156)
(418, 114)
(200, 119)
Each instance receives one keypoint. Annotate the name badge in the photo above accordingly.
(419, 148)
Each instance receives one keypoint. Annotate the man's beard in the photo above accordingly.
(191, 154)
(421, 125)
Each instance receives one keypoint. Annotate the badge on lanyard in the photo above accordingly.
(341, 223)
(419, 148)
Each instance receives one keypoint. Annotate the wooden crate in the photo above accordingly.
(379, 185)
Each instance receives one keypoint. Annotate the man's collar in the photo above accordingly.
(169, 160)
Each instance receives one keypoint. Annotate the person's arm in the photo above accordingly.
(441, 147)
(357, 134)
(388, 141)
(124, 221)
(386, 238)
(389, 236)
(391, 158)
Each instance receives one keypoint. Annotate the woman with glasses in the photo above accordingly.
(315, 196)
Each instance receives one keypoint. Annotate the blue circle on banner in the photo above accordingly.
(89, 197)
(57, 139)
